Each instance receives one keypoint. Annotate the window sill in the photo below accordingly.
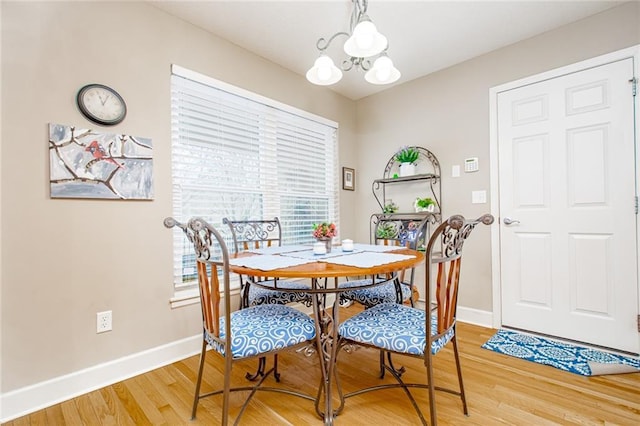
(192, 296)
(185, 298)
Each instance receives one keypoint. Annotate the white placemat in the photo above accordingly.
(268, 262)
(279, 249)
(308, 254)
(368, 259)
(375, 248)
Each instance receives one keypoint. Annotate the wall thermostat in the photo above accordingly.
(471, 165)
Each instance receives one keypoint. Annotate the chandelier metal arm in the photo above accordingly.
(322, 40)
(348, 64)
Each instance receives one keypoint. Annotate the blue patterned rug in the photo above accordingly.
(565, 356)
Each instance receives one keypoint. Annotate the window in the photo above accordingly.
(239, 155)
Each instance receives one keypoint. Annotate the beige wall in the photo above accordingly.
(448, 113)
(65, 260)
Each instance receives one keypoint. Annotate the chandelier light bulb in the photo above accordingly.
(324, 72)
(382, 72)
(324, 64)
(365, 41)
(383, 67)
(364, 34)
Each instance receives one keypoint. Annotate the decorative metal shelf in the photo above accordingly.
(407, 178)
(432, 177)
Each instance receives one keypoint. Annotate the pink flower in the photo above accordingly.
(325, 230)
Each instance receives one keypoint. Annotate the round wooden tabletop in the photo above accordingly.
(320, 269)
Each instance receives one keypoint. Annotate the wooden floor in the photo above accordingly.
(501, 390)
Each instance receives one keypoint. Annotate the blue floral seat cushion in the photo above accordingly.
(393, 327)
(261, 329)
(261, 296)
(371, 296)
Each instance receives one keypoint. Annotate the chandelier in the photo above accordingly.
(364, 42)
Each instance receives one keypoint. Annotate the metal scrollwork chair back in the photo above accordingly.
(411, 232)
(260, 234)
(404, 330)
(263, 330)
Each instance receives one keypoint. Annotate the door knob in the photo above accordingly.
(509, 221)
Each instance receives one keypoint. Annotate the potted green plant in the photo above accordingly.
(386, 230)
(407, 156)
(390, 207)
(424, 204)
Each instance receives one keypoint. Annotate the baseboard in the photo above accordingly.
(35, 397)
(475, 316)
(468, 315)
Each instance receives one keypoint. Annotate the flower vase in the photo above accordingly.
(407, 169)
(327, 243)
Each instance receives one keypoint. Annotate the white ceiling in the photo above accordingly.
(424, 36)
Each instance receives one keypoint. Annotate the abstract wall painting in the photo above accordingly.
(86, 163)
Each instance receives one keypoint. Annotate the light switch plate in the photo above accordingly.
(455, 170)
(478, 197)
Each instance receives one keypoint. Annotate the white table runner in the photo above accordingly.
(308, 254)
(375, 248)
(268, 262)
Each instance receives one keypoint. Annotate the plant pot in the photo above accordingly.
(407, 169)
(430, 208)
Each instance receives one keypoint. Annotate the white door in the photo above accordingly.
(567, 180)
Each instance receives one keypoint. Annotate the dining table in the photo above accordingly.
(379, 263)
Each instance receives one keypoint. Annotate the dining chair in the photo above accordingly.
(397, 230)
(415, 332)
(254, 331)
(261, 234)
(407, 230)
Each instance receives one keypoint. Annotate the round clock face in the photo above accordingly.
(101, 104)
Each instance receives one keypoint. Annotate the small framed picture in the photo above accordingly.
(348, 179)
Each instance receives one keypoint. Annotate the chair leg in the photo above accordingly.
(262, 362)
(275, 368)
(399, 371)
(432, 388)
(227, 391)
(389, 364)
(460, 382)
(244, 295)
(262, 366)
(382, 366)
(196, 396)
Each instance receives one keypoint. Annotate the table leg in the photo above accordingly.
(327, 344)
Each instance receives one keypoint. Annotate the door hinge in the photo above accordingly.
(638, 323)
(636, 202)
(634, 86)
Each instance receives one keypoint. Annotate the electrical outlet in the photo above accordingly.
(103, 320)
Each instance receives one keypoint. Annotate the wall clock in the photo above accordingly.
(101, 104)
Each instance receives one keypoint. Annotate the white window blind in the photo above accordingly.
(236, 154)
